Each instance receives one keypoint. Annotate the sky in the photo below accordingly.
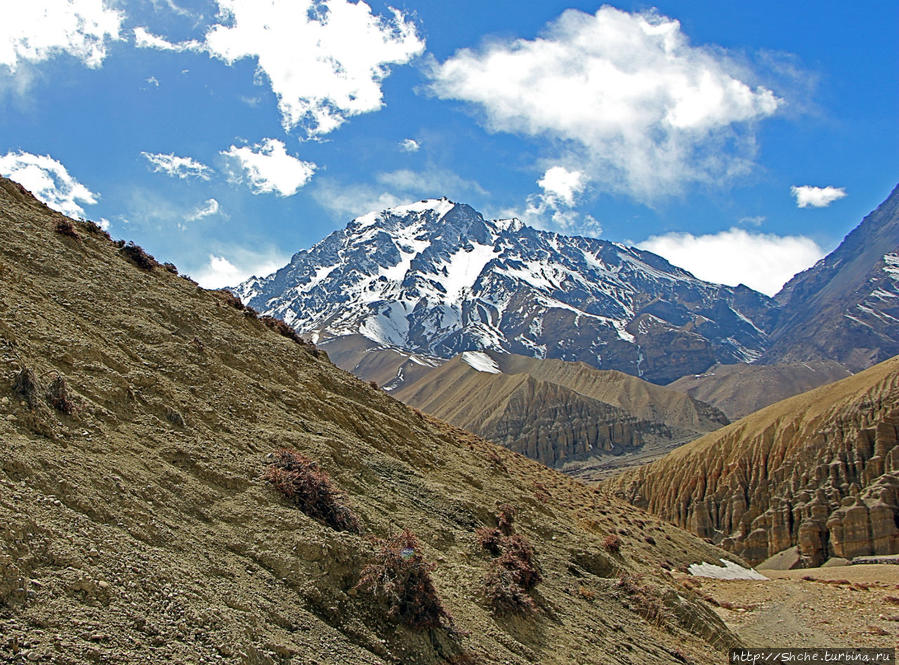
(741, 141)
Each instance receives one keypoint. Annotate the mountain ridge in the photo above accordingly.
(435, 277)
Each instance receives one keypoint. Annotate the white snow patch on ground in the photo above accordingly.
(390, 326)
(463, 269)
(729, 571)
(481, 362)
(441, 206)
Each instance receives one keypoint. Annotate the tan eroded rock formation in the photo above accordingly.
(819, 470)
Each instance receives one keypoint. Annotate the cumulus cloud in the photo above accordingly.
(220, 271)
(36, 30)
(325, 60)
(562, 185)
(48, 180)
(816, 197)
(624, 95)
(410, 145)
(761, 261)
(177, 167)
(211, 207)
(270, 169)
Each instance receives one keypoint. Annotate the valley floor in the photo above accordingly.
(845, 606)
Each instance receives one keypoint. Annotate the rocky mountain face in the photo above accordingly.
(846, 307)
(139, 415)
(565, 415)
(741, 389)
(819, 471)
(436, 278)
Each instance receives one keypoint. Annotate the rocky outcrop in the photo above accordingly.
(565, 415)
(819, 470)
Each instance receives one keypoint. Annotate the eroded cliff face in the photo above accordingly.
(819, 470)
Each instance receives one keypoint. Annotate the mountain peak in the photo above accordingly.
(434, 277)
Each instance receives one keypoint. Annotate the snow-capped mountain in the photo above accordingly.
(435, 277)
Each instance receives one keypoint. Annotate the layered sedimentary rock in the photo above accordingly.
(566, 415)
(819, 470)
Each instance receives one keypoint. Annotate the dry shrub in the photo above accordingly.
(400, 576)
(230, 299)
(282, 329)
(58, 396)
(64, 227)
(643, 599)
(25, 385)
(504, 594)
(139, 257)
(374, 384)
(170, 267)
(310, 489)
(612, 543)
(514, 571)
(95, 229)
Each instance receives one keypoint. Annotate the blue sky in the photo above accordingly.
(740, 140)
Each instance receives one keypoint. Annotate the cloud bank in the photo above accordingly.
(764, 262)
(177, 167)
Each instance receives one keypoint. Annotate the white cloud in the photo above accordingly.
(143, 38)
(152, 80)
(562, 185)
(410, 145)
(393, 188)
(625, 96)
(241, 264)
(177, 167)
(211, 207)
(325, 60)
(36, 30)
(761, 261)
(270, 169)
(816, 197)
(48, 180)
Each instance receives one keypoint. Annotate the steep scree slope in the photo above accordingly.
(139, 528)
(819, 470)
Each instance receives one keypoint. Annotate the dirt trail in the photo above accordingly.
(848, 606)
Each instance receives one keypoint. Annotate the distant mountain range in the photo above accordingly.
(434, 279)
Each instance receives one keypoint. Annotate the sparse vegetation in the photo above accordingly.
(64, 227)
(58, 396)
(400, 576)
(310, 489)
(25, 385)
(138, 256)
(230, 299)
(170, 267)
(514, 571)
(612, 543)
(643, 599)
(282, 329)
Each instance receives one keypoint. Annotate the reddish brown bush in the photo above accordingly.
(58, 396)
(643, 599)
(139, 257)
(374, 384)
(514, 571)
(505, 595)
(400, 576)
(612, 543)
(230, 299)
(65, 227)
(310, 489)
(170, 267)
(489, 539)
(282, 328)
(26, 386)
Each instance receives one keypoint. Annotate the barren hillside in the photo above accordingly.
(139, 415)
